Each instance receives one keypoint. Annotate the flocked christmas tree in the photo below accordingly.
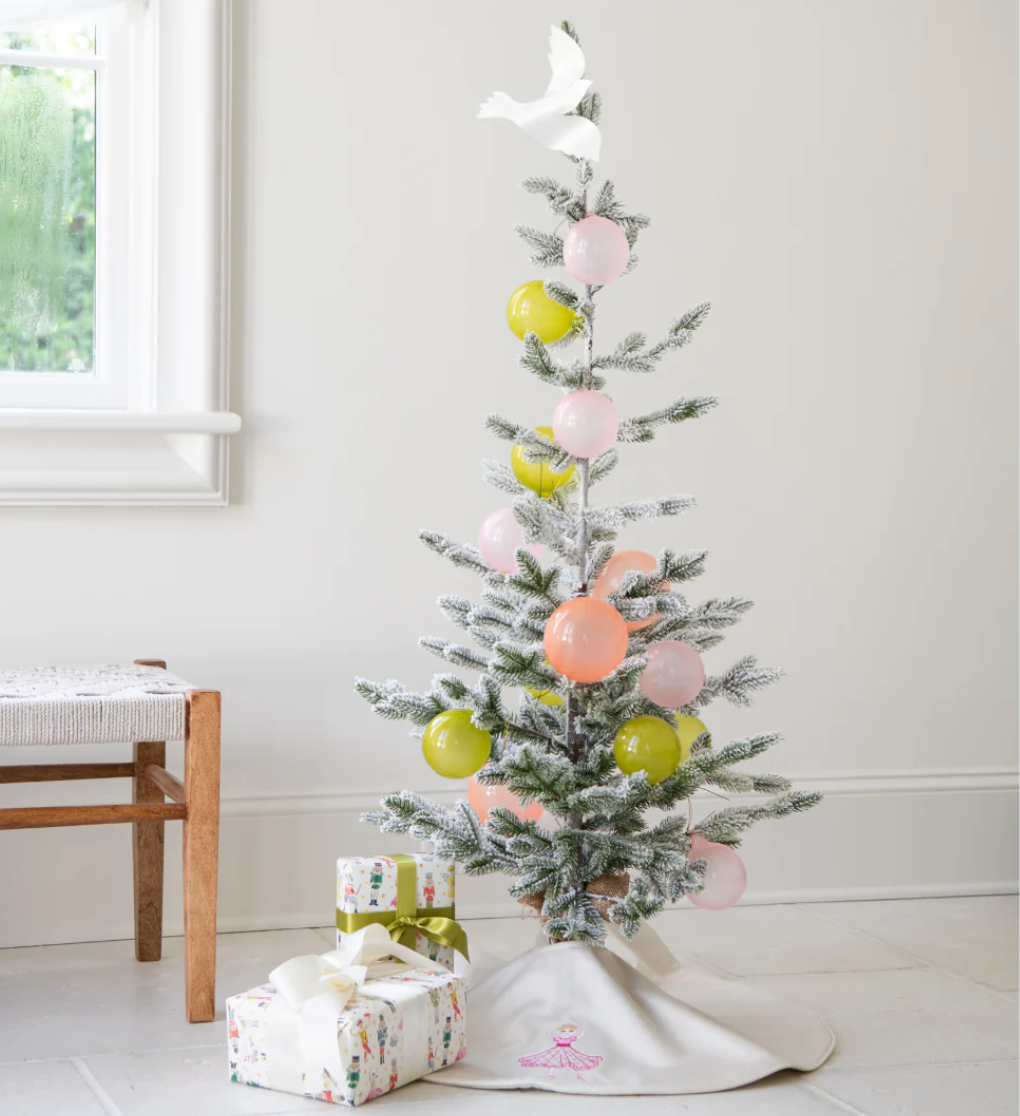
(603, 646)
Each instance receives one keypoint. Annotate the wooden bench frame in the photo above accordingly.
(195, 802)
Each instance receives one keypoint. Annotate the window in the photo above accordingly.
(48, 199)
(113, 268)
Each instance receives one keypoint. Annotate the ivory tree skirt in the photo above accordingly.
(573, 1019)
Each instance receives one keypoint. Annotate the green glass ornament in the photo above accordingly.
(537, 475)
(530, 309)
(453, 746)
(647, 744)
(688, 729)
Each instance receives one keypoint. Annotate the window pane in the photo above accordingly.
(47, 219)
(63, 38)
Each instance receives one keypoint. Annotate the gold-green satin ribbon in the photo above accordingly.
(407, 887)
(445, 931)
(437, 923)
(350, 922)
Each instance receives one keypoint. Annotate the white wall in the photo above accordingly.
(838, 178)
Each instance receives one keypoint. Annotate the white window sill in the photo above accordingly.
(80, 457)
(189, 422)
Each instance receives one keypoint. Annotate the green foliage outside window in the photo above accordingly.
(47, 215)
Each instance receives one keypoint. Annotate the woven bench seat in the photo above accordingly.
(90, 705)
(143, 705)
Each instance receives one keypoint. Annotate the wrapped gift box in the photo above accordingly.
(393, 1029)
(368, 890)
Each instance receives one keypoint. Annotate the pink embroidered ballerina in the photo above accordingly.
(563, 1055)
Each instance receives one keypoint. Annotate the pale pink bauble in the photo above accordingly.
(596, 251)
(585, 423)
(611, 578)
(484, 796)
(500, 537)
(674, 675)
(725, 875)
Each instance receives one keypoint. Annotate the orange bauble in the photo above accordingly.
(483, 796)
(585, 639)
(611, 577)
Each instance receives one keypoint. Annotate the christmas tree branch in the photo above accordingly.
(605, 861)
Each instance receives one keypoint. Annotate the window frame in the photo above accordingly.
(150, 425)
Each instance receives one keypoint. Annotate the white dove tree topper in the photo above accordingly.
(552, 119)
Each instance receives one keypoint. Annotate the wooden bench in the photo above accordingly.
(143, 703)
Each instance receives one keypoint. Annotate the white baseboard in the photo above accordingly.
(881, 835)
(831, 785)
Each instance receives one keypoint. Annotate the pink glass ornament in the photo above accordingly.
(674, 675)
(585, 423)
(596, 251)
(483, 797)
(611, 578)
(500, 536)
(585, 639)
(725, 875)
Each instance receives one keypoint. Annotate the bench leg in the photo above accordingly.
(201, 846)
(147, 857)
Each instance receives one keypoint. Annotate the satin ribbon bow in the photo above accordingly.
(445, 931)
(339, 974)
(435, 923)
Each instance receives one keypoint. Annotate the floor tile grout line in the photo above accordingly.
(719, 970)
(922, 963)
(728, 974)
(115, 1054)
(866, 935)
(179, 937)
(95, 1088)
(711, 966)
(970, 1063)
(838, 1103)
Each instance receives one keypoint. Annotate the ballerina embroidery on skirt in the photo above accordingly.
(563, 1055)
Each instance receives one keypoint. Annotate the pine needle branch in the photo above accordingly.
(725, 826)
(642, 427)
(546, 248)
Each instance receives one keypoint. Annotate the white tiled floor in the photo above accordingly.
(921, 994)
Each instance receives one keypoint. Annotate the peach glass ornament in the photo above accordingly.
(500, 537)
(674, 675)
(610, 579)
(585, 639)
(483, 796)
(725, 874)
(595, 251)
(585, 423)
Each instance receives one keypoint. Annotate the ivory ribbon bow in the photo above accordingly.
(366, 955)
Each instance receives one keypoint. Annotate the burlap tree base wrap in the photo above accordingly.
(604, 891)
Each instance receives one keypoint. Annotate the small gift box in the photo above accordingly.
(412, 896)
(350, 1025)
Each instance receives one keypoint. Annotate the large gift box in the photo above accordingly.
(415, 891)
(350, 1025)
